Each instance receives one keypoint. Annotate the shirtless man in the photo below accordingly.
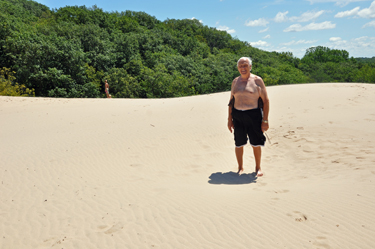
(106, 86)
(246, 118)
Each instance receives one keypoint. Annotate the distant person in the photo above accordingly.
(245, 116)
(106, 86)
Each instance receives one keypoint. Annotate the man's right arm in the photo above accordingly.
(230, 106)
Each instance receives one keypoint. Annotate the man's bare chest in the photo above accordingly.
(245, 87)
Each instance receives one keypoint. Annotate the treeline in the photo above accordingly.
(366, 60)
(70, 51)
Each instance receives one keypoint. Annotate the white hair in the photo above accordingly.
(245, 58)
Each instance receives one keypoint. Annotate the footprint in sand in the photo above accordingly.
(281, 191)
(54, 241)
(206, 147)
(290, 135)
(321, 245)
(301, 217)
(136, 165)
(193, 166)
(115, 228)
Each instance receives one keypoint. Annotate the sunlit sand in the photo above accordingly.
(162, 173)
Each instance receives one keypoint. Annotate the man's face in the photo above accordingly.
(244, 67)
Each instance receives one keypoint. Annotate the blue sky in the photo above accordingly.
(271, 25)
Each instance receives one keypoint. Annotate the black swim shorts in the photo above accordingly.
(248, 124)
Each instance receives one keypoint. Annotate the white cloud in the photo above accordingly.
(347, 13)
(281, 17)
(225, 28)
(311, 26)
(368, 12)
(263, 30)
(267, 37)
(364, 13)
(369, 24)
(298, 42)
(193, 18)
(305, 42)
(365, 42)
(288, 43)
(307, 16)
(338, 44)
(294, 28)
(259, 43)
(335, 39)
(341, 3)
(256, 23)
(359, 47)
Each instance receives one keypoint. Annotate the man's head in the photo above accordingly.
(248, 59)
(244, 65)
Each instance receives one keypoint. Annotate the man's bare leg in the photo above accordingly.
(239, 156)
(258, 156)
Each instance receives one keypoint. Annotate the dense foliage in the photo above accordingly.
(69, 52)
(368, 60)
(8, 86)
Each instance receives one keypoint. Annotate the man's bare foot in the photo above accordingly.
(259, 173)
(240, 171)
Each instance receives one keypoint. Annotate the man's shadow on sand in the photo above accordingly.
(232, 178)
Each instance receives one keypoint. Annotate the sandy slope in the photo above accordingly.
(129, 173)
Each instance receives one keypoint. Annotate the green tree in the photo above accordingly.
(8, 86)
(122, 85)
(68, 52)
(365, 74)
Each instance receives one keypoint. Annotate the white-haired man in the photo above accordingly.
(245, 116)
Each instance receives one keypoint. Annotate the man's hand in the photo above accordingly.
(230, 125)
(264, 126)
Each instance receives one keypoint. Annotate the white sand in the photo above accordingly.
(130, 173)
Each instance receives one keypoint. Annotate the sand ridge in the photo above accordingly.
(159, 173)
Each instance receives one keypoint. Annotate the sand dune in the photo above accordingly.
(159, 173)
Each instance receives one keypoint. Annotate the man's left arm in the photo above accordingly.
(266, 103)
